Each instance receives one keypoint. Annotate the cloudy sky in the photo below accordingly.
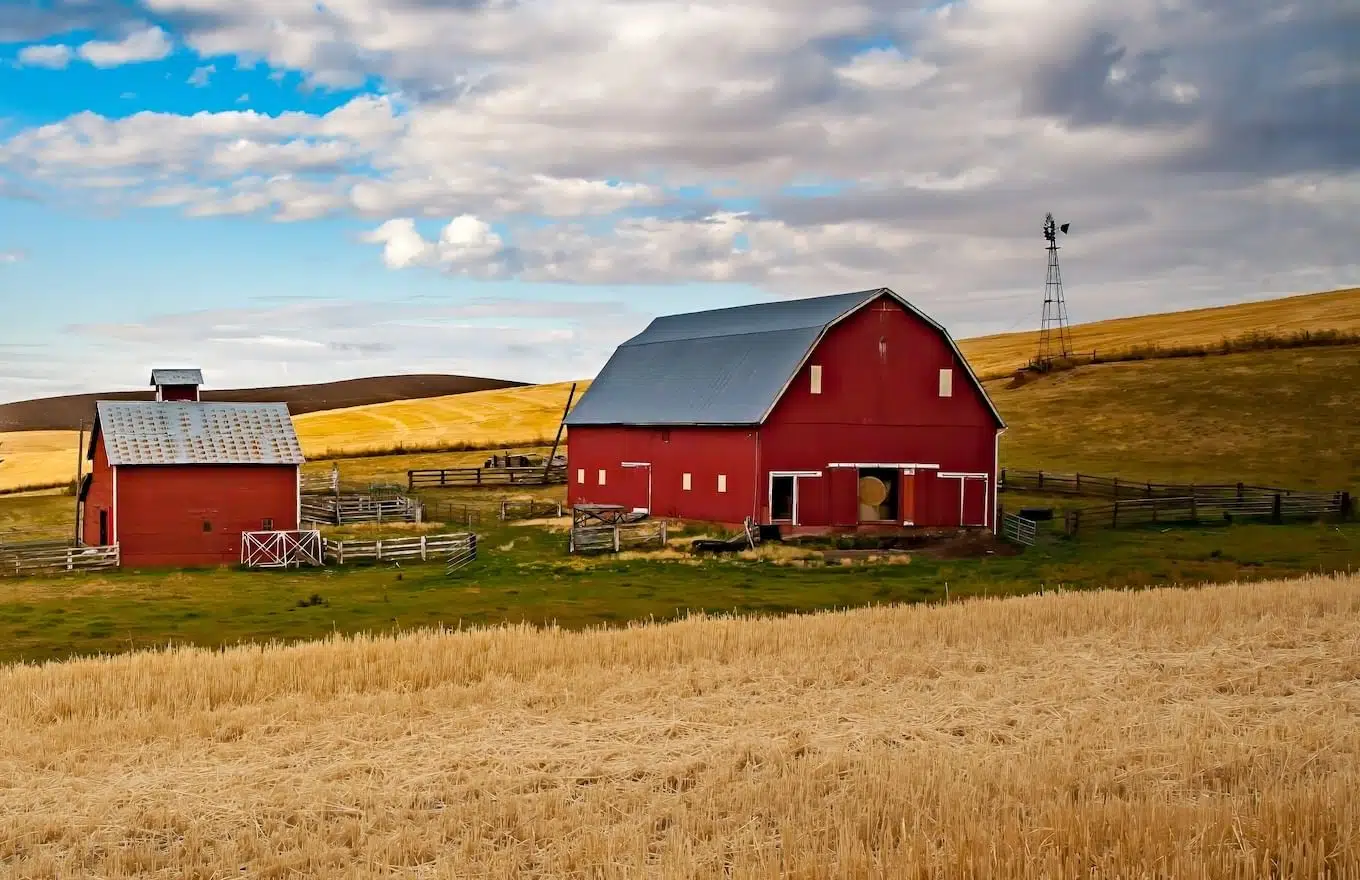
(293, 190)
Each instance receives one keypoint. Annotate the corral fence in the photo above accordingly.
(53, 556)
(449, 513)
(1276, 508)
(1119, 488)
(617, 537)
(460, 547)
(321, 484)
(447, 478)
(282, 549)
(1018, 529)
(338, 510)
(528, 509)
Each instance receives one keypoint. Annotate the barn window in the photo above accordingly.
(722, 482)
(207, 526)
(601, 476)
(946, 383)
(816, 373)
(267, 525)
(581, 476)
(666, 435)
(685, 482)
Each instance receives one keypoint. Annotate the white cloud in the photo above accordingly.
(147, 44)
(466, 245)
(12, 256)
(201, 75)
(55, 56)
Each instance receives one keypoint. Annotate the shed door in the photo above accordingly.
(103, 528)
(635, 486)
(975, 501)
(843, 496)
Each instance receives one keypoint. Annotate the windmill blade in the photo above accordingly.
(1064, 227)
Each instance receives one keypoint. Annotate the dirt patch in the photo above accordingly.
(970, 545)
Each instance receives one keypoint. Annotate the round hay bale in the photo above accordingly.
(868, 513)
(872, 491)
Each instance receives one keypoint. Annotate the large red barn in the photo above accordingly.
(835, 413)
(174, 481)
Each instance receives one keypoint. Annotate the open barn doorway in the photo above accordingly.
(879, 490)
(781, 497)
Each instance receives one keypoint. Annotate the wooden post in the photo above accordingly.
(663, 534)
(1277, 509)
(1194, 508)
(1240, 487)
(1345, 505)
(1116, 487)
(1078, 483)
(1041, 480)
(1114, 515)
(377, 546)
(616, 539)
(423, 555)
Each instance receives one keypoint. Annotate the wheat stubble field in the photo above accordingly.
(1196, 733)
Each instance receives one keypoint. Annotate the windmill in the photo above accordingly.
(1055, 336)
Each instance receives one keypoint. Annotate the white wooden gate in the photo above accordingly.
(281, 549)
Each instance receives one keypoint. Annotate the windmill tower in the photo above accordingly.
(1055, 336)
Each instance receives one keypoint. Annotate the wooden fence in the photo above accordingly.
(448, 513)
(338, 510)
(281, 549)
(1118, 488)
(48, 557)
(321, 484)
(448, 478)
(1275, 508)
(615, 538)
(422, 548)
(528, 509)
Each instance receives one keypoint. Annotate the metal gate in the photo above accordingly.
(1019, 529)
(281, 549)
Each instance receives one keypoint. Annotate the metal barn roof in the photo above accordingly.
(139, 433)
(177, 377)
(724, 366)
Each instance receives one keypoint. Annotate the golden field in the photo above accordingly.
(1333, 310)
(509, 416)
(37, 458)
(1168, 733)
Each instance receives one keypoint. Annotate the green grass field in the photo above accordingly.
(524, 575)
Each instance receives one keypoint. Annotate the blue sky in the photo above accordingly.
(279, 190)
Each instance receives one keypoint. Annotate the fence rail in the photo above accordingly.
(420, 548)
(528, 509)
(1019, 529)
(1205, 508)
(321, 484)
(448, 513)
(343, 509)
(1118, 488)
(446, 478)
(46, 557)
(281, 549)
(615, 538)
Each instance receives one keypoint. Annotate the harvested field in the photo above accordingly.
(1188, 734)
(37, 458)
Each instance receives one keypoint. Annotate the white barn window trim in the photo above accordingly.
(946, 383)
(722, 482)
(580, 476)
(815, 373)
(685, 482)
(601, 476)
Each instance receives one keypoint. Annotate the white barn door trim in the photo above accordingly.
(963, 477)
(769, 491)
(648, 465)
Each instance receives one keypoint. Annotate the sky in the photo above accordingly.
(284, 191)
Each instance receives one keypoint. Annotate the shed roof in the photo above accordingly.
(144, 432)
(179, 376)
(724, 366)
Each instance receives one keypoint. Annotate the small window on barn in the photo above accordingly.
(207, 526)
(722, 482)
(601, 476)
(946, 383)
(816, 372)
(666, 435)
(685, 482)
(581, 476)
(267, 525)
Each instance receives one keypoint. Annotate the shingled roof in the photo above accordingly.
(724, 366)
(141, 433)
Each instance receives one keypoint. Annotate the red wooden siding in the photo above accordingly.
(703, 453)
(162, 510)
(100, 496)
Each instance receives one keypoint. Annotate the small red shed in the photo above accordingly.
(175, 481)
(837, 413)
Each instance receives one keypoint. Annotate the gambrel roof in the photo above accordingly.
(724, 366)
(143, 432)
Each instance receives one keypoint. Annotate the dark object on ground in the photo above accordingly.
(1035, 514)
(715, 545)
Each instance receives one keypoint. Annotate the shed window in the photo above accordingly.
(267, 525)
(665, 435)
(601, 476)
(207, 526)
(581, 476)
(722, 482)
(946, 383)
(685, 482)
(816, 372)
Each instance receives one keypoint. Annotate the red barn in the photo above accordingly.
(175, 481)
(835, 413)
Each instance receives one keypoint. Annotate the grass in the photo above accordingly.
(524, 575)
(1285, 418)
(491, 418)
(1169, 733)
(1337, 310)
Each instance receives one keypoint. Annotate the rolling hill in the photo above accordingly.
(66, 413)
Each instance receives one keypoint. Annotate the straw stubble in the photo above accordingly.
(1197, 733)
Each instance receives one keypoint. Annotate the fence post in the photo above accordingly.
(1194, 507)
(1240, 489)
(663, 534)
(1114, 515)
(1001, 481)
(1345, 506)
(377, 546)
(616, 539)
(1116, 487)
(1041, 480)
(1276, 509)
(1078, 486)
(423, 556)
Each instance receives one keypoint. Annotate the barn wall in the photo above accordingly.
(704, 453)
(880, 403)
(162, 510)
(100, 496)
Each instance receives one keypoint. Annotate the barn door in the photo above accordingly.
(842, 496)
(635, 486)
(975, 500)
(103, 528)
(907, 494)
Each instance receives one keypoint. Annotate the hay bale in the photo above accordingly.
(872, 491)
